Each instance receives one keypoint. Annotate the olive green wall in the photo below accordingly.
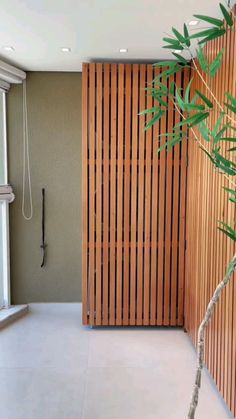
(54, 118)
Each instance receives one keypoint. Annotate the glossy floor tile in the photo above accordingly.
(51, 367)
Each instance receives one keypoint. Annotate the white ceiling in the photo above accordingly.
(93, 29)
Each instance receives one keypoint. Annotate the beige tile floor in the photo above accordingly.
(51, 367)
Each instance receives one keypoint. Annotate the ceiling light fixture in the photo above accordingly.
(65, 49)
(9, 48)
(123, 50)
(193, 22)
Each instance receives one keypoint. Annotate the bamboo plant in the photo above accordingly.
(195, 108)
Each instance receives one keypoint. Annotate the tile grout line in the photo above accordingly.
(86, 380)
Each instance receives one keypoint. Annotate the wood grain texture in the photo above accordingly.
(208, 250)
(85, 192)
(134, 229)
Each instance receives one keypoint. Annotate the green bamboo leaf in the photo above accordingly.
(150, 110)
(211, 20)
(186, 35)
(216, 34)
(221, 159)
(226, 15)
(154, 120)
(231, 98)
(178, 35)
(169, 144)
(223, 164)
(226, 169)
(202, 60)
(172, 41)
(180, 58)
(193, 120)
(230, 107)
(232, 200)
(172, 88)
(227, 227)
(205, 132)
(205, 99)
(220, 133)
(160, 100)
(179, 99)
(229, 190)
(167, 63)
(192, 107)
(173, 134)
(153, 90)
(187, 91)
(200, 118)
(218, 123)
(167, 73)
(163, 87)
(215, 65)
(177, 47)
(193, 101)
(230, 235)
(202, 34)
(232, 149)
(208, 154)
(229, 139)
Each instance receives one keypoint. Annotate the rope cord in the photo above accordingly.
(26, 160)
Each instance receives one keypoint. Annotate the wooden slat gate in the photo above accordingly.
(133, 202)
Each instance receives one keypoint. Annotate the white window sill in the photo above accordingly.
(8, 315)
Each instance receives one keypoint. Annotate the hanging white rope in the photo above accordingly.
(26, 160)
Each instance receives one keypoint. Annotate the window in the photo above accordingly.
(4, 221)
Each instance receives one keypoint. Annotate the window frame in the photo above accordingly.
(4, 213)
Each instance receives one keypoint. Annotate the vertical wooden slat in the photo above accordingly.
(85, 191)
(175, 221)
(106, 150)
(120, 147)
(229, 247)
(141, 197)
(147, 212)
(232, 365)
(92, 194)
(161, 224)
(182, 220)
(113, 193)
(98, 195)
(168, 215)
(134, 186)
(127, 171)
(154, 218)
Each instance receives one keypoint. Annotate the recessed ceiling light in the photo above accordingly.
(123, 50)
(9, 48)
(193, 22)
(65, 49)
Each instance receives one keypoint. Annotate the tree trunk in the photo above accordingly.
(201, 336)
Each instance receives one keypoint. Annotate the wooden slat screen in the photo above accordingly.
(133, 202)
(208, 250)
